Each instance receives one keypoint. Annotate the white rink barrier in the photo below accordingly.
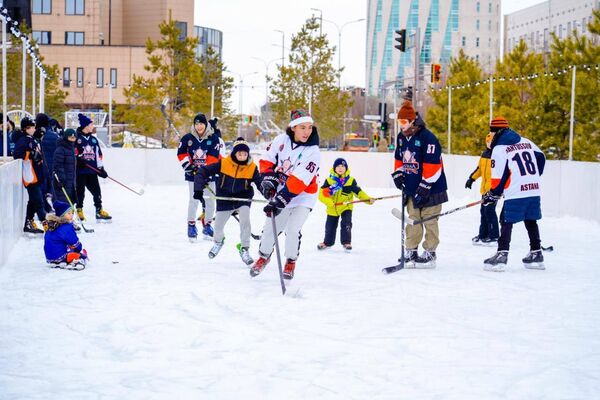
(12, 207)
(569, 188)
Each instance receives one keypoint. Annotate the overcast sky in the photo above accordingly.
(249, 31)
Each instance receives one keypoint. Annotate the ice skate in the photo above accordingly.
(409, 258)
(259, 266)
(245, 255)
(103, 216)
(216, 249)
(192, 232)
(31, 230)
(534, 260)
(496, 263)
(322, 246)
(288, 270)
(425, 260)
(347, 247)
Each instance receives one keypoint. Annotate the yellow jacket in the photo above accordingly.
(340, 189)
(484, 170)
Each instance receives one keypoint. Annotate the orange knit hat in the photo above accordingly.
(407, 111)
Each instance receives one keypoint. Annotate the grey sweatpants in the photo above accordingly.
(289, 220)
(221, 219)
(210, 202)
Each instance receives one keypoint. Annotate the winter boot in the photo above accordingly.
(288, 270)
(496, 263)
(208, 231)
(322, 246)
(216, 249)
(80, 214)
(410, 255)
(534, 260)
(192, 231)
(246, 257)
(102, 215)
(426, 260)
(32, 228)
(259, 265)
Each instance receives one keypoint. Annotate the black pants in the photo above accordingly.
(345, 231)
(506, 231)
(488, 226)
(35, 204)
(89, 181)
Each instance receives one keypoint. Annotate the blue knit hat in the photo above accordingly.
(61, 208)
(340, 161)
(83, 120)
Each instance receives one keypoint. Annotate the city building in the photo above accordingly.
(535, 24)
(445, 28)
(101, 41)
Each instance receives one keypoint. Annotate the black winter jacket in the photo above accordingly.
(65, 163)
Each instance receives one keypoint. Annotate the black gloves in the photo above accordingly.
(190, 169)
(275, 206)
(268, 186)
(469, 183)
(199, 195)
(422, 194)
(490, 198)
(102, 173)
(398, 177)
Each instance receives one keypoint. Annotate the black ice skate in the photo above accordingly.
(409, 258)
(496, 263)
(425, 260)
(534, 260)
(103, 216)
(31, 229)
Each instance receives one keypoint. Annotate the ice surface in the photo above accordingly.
(152, 317)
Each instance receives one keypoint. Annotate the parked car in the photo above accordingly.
(355, 142)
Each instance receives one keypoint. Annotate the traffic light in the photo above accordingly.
(249, 119)
(401, 39)
(384, 126)
(436, 72)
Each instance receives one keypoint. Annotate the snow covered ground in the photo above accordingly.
(153, 318)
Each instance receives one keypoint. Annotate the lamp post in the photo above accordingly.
(282, 46)
(241, 94)
(339, 49)
(266, 78)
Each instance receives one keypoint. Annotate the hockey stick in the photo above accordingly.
(396, 213)
(238, 199)
(398, 267)
(62, 187)
(345, 203)
(141, 192)
(163, 110)
(278, 253)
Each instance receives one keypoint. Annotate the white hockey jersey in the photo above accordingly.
(297, 166)
(517, 164)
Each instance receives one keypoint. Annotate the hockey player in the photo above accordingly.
(289, 171)
(89, 153)
(517, 164)
(61, 244)
(199, 147)
(65, 166)
(29, 150)
(339, 187)
(488, 226)
(419, 173)
(235, 173)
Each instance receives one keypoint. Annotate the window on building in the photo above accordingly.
(79, 77)
(537, 37)
(476, 42)
(546, 37)
(66, 77)
(490, 7)
(478, 6)
(99, 77)
(477, 25)
(464, 41)
(74, 38)
(42, 37)
(489, 42)
(113, 77)
(41, 7)
(560, 31)
(490, 25)
(182, 26)
(568, 28)
(75, 7)
(477, 57)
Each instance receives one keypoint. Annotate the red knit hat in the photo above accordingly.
(498, 123)
(407, 111)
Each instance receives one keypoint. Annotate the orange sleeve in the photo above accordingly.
(397, 164)
(266, 166)
(295, 185)
(211, 160)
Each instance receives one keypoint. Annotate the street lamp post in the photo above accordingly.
(282, 47)
(321, 20)
(266, 78)
(241, 99)
(339, 51)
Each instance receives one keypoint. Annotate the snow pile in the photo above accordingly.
(152, 318)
